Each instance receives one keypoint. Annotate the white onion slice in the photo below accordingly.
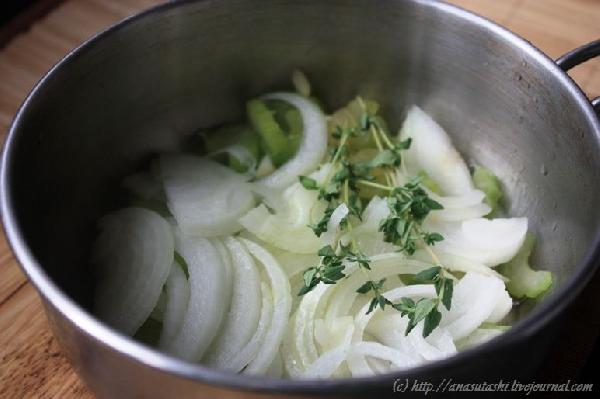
(275, 370)
(132, 259)
(291, 360)
(458, 263)
(433, 152)
(249, 351)
(479, 336)
(474, 300)
(178, 296)
(206, 305)
(333, 225)
(379, 351)
(206, 198)
(244, 312)
(304, 324)
(312, 148)
(227, 271)
(326, 364)
(288, 229)
(388, 327)
(382, 266)
(486, 241)
(425, 349)
(357, 362)
(282, 301)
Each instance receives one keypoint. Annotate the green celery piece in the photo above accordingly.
(489, 183)
(274, 139)
(293, 121)
(486, 325)
(235, 164)
(226, 136)
(296, 127)
(429, 183)
(524, 282)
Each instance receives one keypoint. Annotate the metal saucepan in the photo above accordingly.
(141, 86)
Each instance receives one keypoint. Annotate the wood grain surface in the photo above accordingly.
(30, 361)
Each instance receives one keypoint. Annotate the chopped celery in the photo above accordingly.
(489, 183)
(275, 141)
(293, 120)
(524, 281)
(229, 135)
(429, 183)
(480, 335)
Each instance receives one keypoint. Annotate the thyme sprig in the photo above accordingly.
(409, 205)
(427, 308)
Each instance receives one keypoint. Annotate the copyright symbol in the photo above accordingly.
(400, 385)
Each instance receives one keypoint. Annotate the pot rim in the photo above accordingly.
(125, 346)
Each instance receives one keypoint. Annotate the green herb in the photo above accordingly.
(409, 206)
(329, 271)
(427, 308)
(308, 183)
(378, 298)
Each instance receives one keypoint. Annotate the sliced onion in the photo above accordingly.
(333, 225)
(227, 271)
(379, 351)
(433, 152)
(459, 263)
(206, 305)
(356, 361)
(293, 264)
(304, 324)
(367, 234)
(326, 364)
(427, 350)
(282, 301)
(244, 312)
(382, 266)
(206, 198)
(486, 241)
(288, 229)
(479, 336)
(178, 296)
(474, 300)
(312, 148)
(275, 370)
(291, 360)
(250, 350)
(388, 327)
(132, 259)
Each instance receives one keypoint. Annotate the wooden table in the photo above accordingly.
(31, 364)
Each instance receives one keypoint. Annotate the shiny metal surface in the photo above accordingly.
(142, 86)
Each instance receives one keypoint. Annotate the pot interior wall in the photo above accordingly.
(145, 86)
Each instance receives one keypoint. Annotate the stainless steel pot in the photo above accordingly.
(142, 85)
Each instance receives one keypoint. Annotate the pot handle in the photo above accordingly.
(579, 56)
